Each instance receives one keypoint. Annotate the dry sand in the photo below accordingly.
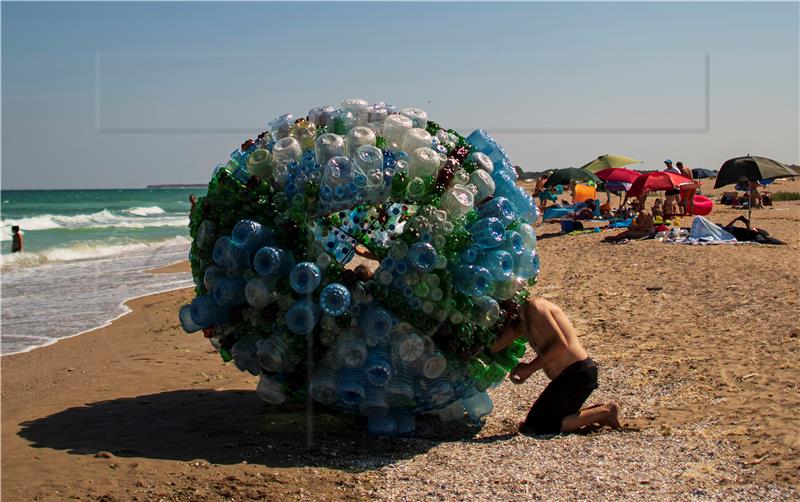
(700, 345)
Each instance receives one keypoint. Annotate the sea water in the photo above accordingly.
(86, 252)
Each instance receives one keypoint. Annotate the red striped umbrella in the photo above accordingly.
(657, 180)
(620, 175)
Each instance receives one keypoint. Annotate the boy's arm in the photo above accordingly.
(523, 371)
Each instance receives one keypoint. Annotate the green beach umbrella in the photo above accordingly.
(608, 161)
(566, 176)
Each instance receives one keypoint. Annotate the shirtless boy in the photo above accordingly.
(572, 373)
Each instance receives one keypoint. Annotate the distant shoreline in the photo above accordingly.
(179, 185)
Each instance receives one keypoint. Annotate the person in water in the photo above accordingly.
(193, 202)
(16, 239)
(563, 359)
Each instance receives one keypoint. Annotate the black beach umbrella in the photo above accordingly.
(699, 173)
(566, 176)
(750, 168)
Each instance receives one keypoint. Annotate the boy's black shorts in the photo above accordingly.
(562, 397)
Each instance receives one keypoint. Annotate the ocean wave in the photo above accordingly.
(145, 211)
(87, 251)
(100, 219)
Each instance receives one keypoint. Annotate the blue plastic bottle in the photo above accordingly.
(422, 256)
(350, 388)
(513, 242)
(334, 299)
(381, 425)
(351, 351)
(229, 291)
(205, 312)
(259, 292)
(472, 280)
(404, 420)
(251, 235)
(273, 262)
(499, 263)
(488, 232)
(212, 275)
(244, 355)
(375, 323)
(478, 405)
(400, 388)
(271, 352)
(527, 264)
(323, 386)
(374, 403)
(185, 316)
(378, 367)
(500, 208)
(302, 317)
(305, 277)
(228, 254)
(270, 390)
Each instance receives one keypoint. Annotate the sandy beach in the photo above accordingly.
(700, 345)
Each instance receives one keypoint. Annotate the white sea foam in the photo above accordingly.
(145, 211)
(100, 219)
(86, 251)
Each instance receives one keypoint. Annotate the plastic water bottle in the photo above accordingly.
(527, 264)
(205, 234)
(260, 163)
(205, 312)
(351, 351)
(185, 317)
(486, 311)
(228, 254)
(244, 355)
(488, 232)
(440, 392)
(472, 280)
(270, 390)
(251, 235)
(273, 262)
(357, 137)
(404, 420)
(478, 405)
(350, 389)
(302, 317)
(528, 235)
(305, 132)
(416, 138)
(381, 425)
(378, 366)
(419, 118)
(451, 412)
(483, 182)
(408, 346)
(229, 291)
(506, 289)
(212, 275)
(434, 365)
(271, 352)
(513, 242)
(394, 129)
(484, 143)
(457, 201)
(482, 162)
(376, 324)
(259, 292)
(319, 115)
(422, 162)
(499, 263)
(500, 208)
(305, 277)
(286, 150)
(374, 403)
(280, 126)
(400, 388)
(323, 386)
(422, 256)
(334, 299)
(327, 147)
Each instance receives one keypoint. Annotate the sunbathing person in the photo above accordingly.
(587, 212)
(749, 234)
(572, 372)
(642, 227)
(658, 212)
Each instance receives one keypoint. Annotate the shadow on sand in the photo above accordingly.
(228, 427)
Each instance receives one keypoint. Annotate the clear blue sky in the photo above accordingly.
(123, 95)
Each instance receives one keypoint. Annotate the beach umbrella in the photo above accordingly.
(750, 168)
(608, 162)
(567, 175)
(699, 174)
(655, 181)
(620, 175)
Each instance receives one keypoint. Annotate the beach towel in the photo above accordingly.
(705, 232)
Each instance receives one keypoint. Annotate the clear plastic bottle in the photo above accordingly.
(319, 115)
(482, 162)
(422, 256)
(400, 388)
(271, 352)
(376, 324)
(302, 317)
(434, 365)
(270, 390)
(251, 235)
(486, 311)
(374, 403)
(244, 355)
(378, 366)
(350, 388)
(286, 150)
(483, 183)
(260, 163)
(305, 277)
(419, 118)
(229, 291)
(280, 126)
(323, 386)
(488, 232)
(357, 137)
(205, 312)
(205, 234)
(394, 129)
(334, 299)
(259, 292)
(415, 138)
(478, 406)
(513, 242)
(499, 263)
(453, 411)
(273, 262)
(351, 351)
(472, 280)
(328, 146)
(457, 201)
(526, 265)
(422, 162)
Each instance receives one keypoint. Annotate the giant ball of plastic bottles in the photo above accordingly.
(439, 217)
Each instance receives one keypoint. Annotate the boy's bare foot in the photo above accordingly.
(612, 419)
